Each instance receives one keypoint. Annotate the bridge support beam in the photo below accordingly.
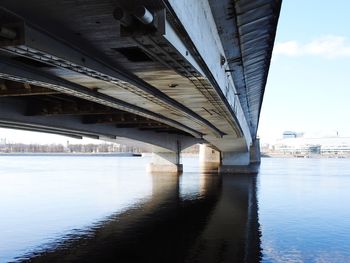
(209, 159)
(165, 162)
(241, 162)
(255, 156)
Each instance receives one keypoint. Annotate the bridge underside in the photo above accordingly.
(168, 74)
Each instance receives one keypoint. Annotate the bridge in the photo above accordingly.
(164, 73)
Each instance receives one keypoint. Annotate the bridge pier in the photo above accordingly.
(242, 162)
(212, 160)
(165, 162)
(209, 159)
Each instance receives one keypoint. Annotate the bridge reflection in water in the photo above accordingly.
(219, 223)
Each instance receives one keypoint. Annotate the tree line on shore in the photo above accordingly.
(76, 148)
(69, 148)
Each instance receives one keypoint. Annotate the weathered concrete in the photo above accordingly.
(235, 158)
(165, 162)
(255, 155)
(209, 159)
(242, 162)
(198, 14)
(239, 169)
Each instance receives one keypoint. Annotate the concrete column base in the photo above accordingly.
(239, 169)
(165, 162)
(209, 167)
(240, 163)
(209, 159)
(255, 156)
(165, 168)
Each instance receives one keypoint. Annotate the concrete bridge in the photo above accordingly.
(168, 74)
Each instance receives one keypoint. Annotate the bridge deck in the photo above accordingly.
(147, 78)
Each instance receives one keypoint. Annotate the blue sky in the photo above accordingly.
(308, 88)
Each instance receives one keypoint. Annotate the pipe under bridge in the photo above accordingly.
(164, 73)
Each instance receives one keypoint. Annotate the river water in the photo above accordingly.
(108, 209)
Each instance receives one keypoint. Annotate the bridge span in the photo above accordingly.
(167, 73)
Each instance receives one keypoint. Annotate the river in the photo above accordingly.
(108, 209)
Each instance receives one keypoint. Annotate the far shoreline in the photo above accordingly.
(313, 156)
(73, 154)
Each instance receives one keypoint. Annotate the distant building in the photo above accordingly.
(292, 134)
(3, 141)
(289, 134)
(294, 144)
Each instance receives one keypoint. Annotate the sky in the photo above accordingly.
(28, 137)
(308, 88)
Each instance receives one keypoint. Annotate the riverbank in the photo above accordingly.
(75, 154)
(315, 156)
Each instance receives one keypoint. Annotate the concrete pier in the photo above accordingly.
(255, 155)
(242, 162)
(209, 159)
(212, 160)
(165, 162)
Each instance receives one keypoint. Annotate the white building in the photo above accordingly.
(305, 146)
